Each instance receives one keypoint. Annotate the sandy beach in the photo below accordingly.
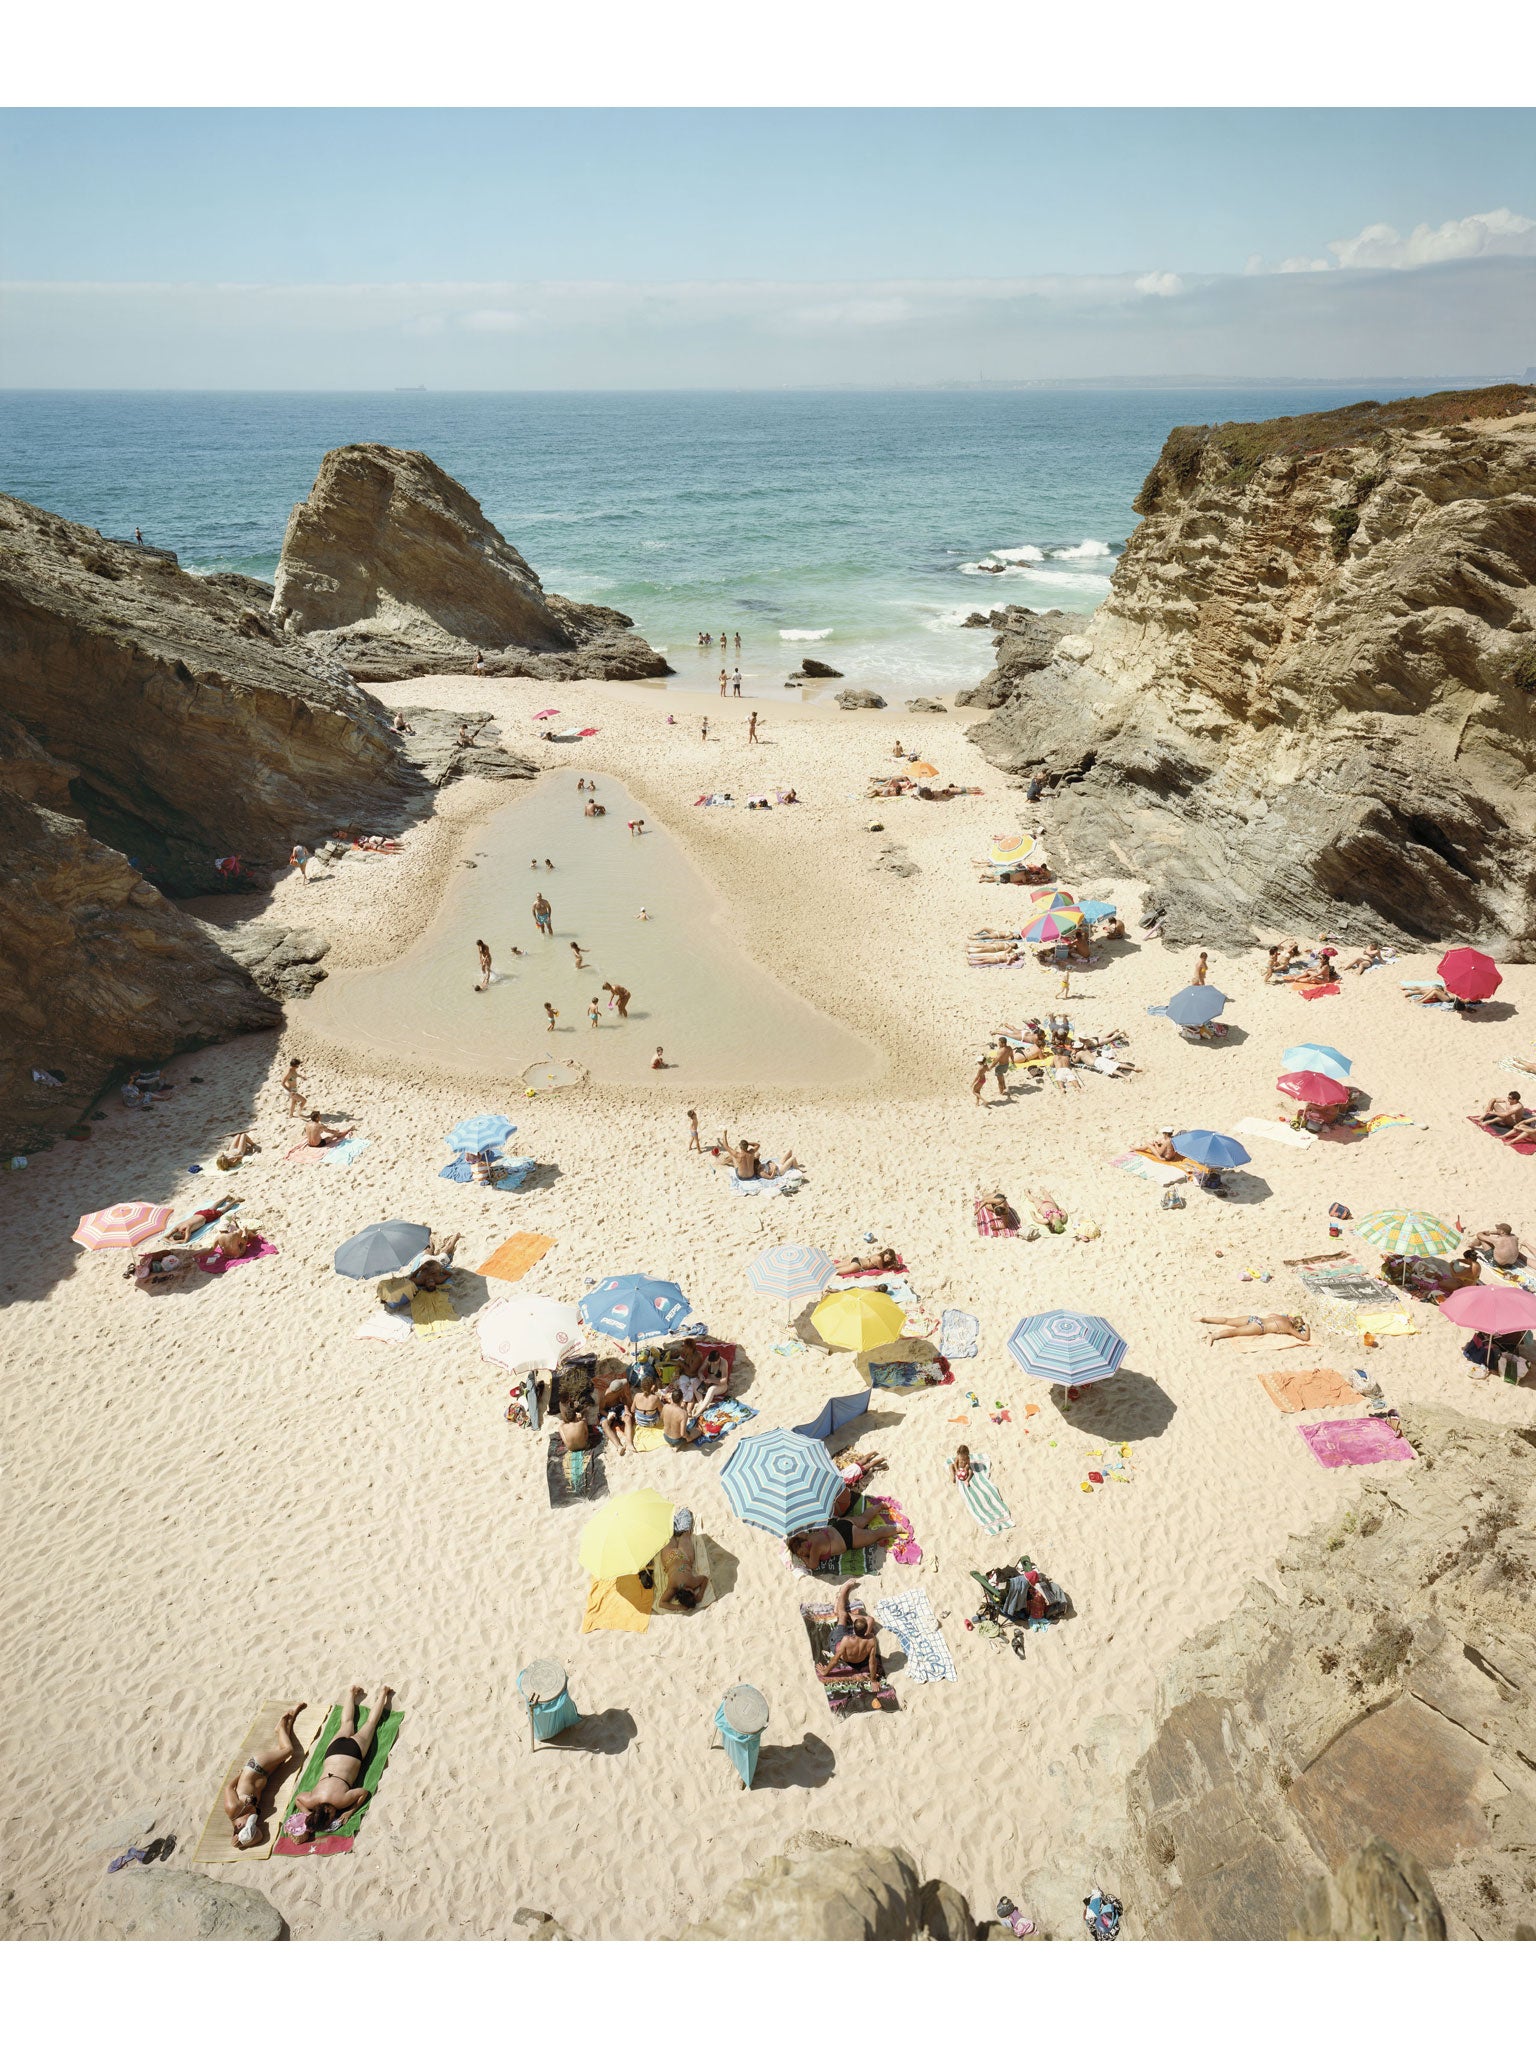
(223, 1496)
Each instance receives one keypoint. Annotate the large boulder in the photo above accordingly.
(397, 571)
(839, 1894)
(1308, 697)
(811, 671)
(859, 700)
(146, 1902)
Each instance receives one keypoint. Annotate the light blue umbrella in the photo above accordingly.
(781, 1482)
(1210, 1148)
(1093, 909)
(1069, 1350)
(1316, 1059)
(476, 1132)
(791, 1272)
(634, 1305)
(1197, 1004)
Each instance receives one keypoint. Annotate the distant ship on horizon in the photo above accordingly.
(410, 387)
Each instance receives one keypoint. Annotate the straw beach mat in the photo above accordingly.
(215, 1844)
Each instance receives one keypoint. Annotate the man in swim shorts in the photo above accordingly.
(336, 1795)
(855, 1642)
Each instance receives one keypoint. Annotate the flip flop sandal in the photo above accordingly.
(1018, 1645)
(128, 1856)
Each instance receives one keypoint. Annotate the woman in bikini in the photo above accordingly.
(336, 1795)
(1258, 1326)
(246, 1787)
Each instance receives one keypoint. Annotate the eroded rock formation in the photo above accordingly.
(1025, 641)
(391, 567)
(1309, 694)
(839, 1893)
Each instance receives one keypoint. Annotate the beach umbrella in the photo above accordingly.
(1469, 974)
(1408, 1233)
(858, 1319)
(1093, 909)
(840, 1409)
(924, 768)
(1069, 1350)
(626, 1533)
(1197, 1004)
(1010, 849)
(121, 1226)
(1317, 1088)
(781, 1482)
(1054, 924)
(632, 1306)
(790, 1272)
(381, 1248)
(527, 1329)
(1052, 899)
(1496, 1311)
(1210, 1148)
(476, 1132)
(1316, 1059)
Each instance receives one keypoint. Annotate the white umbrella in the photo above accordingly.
(529, 1329)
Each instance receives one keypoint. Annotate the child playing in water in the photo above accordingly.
(592, 1013)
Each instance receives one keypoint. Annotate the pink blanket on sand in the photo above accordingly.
(1360, 1440)
(216, 1262)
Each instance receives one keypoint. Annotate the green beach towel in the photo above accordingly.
(341, 1836)
(983, 1499)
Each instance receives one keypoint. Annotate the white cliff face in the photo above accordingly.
(1309, 692)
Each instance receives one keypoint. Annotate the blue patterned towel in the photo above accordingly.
(911, 1619)
(957, 1334)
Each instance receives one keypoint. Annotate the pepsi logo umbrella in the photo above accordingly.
(1321, 1090)
(476, 1132)
(1469, 974)
(632, 1306)
(1197, 1004)
(1210, 1148)
(1316, 1059)
(1052, 925)
(790, 1272)
(381, 1248)
(781, 1481)
(1068, 1349)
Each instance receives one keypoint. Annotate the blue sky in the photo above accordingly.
(508, 247)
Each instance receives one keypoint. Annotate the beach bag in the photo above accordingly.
(1102, 1913)
(1172, 1199)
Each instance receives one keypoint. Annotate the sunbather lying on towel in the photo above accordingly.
(887, 1260)
(247, 1785)
(434, 1268)
(336, 1793)
(237, 1146)
(816, 1547)
(678, 1580)
(233, 1239)
(1258, 1326)
(195, 1222)
(855, 1644)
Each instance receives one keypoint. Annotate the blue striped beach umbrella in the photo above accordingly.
(791, 1272)
(781, 1481)
(1211, 1148)
(1316, 1059)
(1068, 1349)
(476, 1132)
(1197, 1004)
(634, 1305)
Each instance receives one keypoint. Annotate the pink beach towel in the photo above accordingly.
(908, 1550)
(1360, 1440)
(216, 1262)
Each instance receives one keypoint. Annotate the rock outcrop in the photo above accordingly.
(811, 671)
(391, 567)
(1340, 1751)
(925, 704)
(859, 700)
(839, 1893)
(1309, 694)
(146, 1902)
(1024, 641)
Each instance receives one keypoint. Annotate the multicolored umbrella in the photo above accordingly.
(1197, 1004)
(1496, 1311)
(1053, 899)
(1407, 1233)
(381, 1248)
(1469, 974)
(626, 1533)
(1317, 1088)
(781, 1482)
(1055, 924)
(122, 1226)
(1316, 1059)
(1069, 1350)
(790, 1272)
(527, 1329)
(1010, 849)
(476, 1132)
(634, 1305)
(858, 1319)
(1210, 1148)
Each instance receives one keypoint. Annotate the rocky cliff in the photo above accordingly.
(1308, 697)
(391, 567)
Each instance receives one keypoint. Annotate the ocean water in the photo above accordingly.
(852, 525)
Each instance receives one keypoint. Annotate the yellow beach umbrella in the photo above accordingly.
(858, 1319)
(1010, 849)
(626, 1533)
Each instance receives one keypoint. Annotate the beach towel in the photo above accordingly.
(217, 1262)
(342, 1153)
(720, 1418)
(781, 1183)
(988, 1225)
(857, 1279)
(216, 1843)
(900, 1375)
(1349, 1283)
(1391, 1120)
(911, 1619)
(621, 1604)
(649, 1436)
(1363, 1440)
(573, 1475)
(987, 1506)
(386, 1326)
(907, 1550)
(340, 1837)
(1279, 1133)
(516, 1256)
(896, 1285)
(432, 1312)
(1524, 1146)
(1293, 1391)
(958, 1331)
(202, 1230)
(1157, 1171)
(845, 1690)
(1326, 988)
(1391, 1322)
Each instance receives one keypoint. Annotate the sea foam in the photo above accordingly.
(804, 633)
(1085, 551)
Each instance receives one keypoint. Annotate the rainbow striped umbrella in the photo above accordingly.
(790, 1272)
(1052, 899)
(1407, 1233)
(122, 1226)
(1055, 924)
(1010, 849)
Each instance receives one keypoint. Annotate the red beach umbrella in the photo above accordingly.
(1469, 974)
(1321, 1090)
(1496, 1311)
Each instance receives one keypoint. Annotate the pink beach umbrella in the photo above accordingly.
(122, 1226)
(1495, 1311)
(1308, 1086)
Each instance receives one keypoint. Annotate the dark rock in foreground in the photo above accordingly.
(859, 700)
(811, 671)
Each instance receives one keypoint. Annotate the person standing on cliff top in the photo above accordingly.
(138, 536)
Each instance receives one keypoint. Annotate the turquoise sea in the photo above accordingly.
(848, 524)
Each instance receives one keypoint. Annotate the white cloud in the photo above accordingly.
(491, 320)
(1160, 284)
(1380, 246)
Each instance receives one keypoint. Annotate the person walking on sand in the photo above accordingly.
(979, 1081)
(693, 1131)
(485, 966)
(337, 1794)
(552, 1014)
(1202, 967)
(290, 1087)
(594, 1011)
(752, 728)
(618, 997)
(543, 916)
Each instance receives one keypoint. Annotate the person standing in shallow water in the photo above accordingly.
(485, 965)
(543, 916)
(618, 997)
(552, 1014)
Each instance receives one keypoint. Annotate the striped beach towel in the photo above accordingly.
(981, 1496)
(911, 1619)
